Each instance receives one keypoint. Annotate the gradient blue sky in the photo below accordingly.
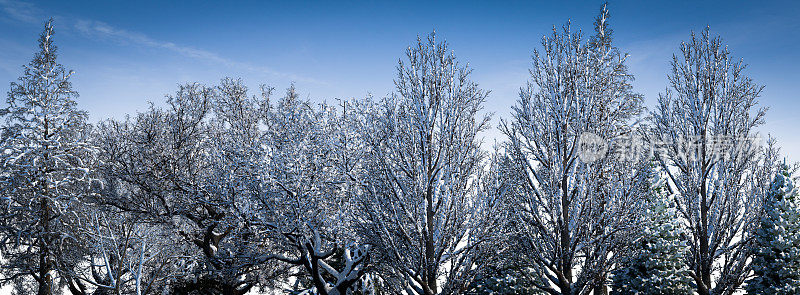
(126, 53)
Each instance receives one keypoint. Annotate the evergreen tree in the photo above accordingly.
(776, 262)
(45, 158)
(512, 280)
(655, 264)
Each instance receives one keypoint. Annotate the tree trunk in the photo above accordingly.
(429, 245)
(705, 258)
(566, 257)
(600, 289)
(45, 265)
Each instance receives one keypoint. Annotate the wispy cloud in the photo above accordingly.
(101, 30)
(28, 13)
(15, 12)
(20, 11)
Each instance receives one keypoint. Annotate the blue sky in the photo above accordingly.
(126, 53)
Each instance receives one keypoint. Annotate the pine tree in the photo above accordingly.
(656, 264)
(45, 158)
(776, 262)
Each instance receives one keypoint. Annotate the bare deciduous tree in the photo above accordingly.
(306, 208)
(573, 209)
(423, 210)
(706, 124)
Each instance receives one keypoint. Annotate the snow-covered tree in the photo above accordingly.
(306, 208)
(254, 192)
(507, 276)
(507, 282)
(656, 262)
(218, 191)
(121, 255)
(166, 167)
(424, 208)
(507, 271)
(46, 157)
(704, 128)
(574, 206)
(776, 262)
